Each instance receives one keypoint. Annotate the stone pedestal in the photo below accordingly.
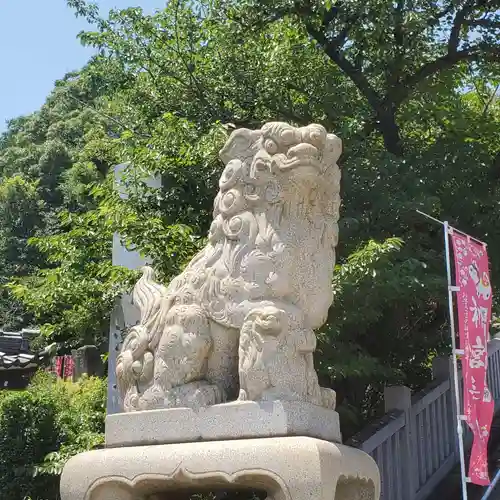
(287, 468)
(289, 449)
(236, 420)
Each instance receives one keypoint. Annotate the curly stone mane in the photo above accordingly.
(274, 225)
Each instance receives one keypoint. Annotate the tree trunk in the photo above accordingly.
(387, 126)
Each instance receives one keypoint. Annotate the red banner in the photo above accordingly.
(474, 299)
(69, 367)
(59, 366)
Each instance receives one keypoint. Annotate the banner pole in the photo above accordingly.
(430, 217)
(455, 363)
(491, 487)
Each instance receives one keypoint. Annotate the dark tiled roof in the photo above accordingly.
(11, 343)
(14, 350)
(18, 361)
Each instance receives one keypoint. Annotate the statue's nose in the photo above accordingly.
(303, 151)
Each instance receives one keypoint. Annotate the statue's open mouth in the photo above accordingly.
(302, 155)
(294, 163)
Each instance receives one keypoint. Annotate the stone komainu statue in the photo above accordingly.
(238, 322)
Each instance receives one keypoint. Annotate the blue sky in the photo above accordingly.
(38, 45)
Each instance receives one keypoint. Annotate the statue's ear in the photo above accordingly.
(333, 148)
(241, 144)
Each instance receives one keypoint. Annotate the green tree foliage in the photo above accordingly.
(72, 299)
(390, 51)
(47, 162)
(20, 212)
(410, 87)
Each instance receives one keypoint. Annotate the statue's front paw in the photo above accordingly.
(242, 396)
(328, 398)
(153, 398)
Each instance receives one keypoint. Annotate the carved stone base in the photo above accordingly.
(237, 420)
(289, 468)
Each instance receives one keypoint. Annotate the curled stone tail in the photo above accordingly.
(147, 294)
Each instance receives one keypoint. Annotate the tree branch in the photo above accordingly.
(393, 77)
(453, 56)
(356, 76)
(330, 15)
(384, 111)
(108, 117)
(445, 62)
(490, 100)
(398, 24)
(435, 19)
(341, 38)
(458, 22)
(483, 23)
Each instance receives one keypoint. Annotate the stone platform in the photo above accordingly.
(237, 420)
(289, 468)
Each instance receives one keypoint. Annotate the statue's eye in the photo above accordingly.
(316, 138)
(288, 137)
(271, 146)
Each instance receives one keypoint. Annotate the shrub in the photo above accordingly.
(41, 428)
(28, 431)
(82, 418)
